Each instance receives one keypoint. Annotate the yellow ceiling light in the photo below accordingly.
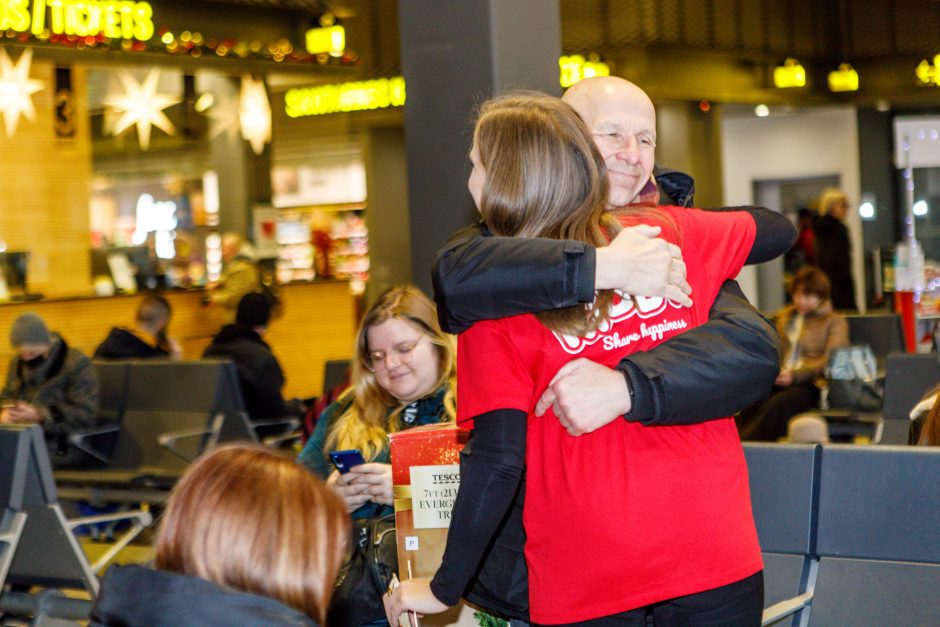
(926, 71)
(329, 39)
(141, 105)
(790, 74)
(254, 112)
(843, 79)
(17, 89)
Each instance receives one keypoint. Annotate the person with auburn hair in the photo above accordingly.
(626, 521)
(247, 538)
(809, 330)
(402, 376)
(925, 420)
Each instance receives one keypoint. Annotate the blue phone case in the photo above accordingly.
(344, 460)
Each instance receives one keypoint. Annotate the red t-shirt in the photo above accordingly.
(627, 515)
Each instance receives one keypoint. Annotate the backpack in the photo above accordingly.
(851, 377)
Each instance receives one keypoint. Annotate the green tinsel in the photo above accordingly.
(485, 620)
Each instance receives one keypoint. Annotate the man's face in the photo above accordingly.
(28, 352)
(623, 123)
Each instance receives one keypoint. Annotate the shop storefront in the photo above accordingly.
(136, 133)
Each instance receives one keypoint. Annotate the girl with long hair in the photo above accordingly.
(626, 520)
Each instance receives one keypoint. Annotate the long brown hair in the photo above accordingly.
(248, 519)
(930, 430)
(374, 413)
(545, 178)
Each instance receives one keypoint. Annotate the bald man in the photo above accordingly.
(684, 380)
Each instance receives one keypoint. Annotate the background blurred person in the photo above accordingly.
(50, 384)
(248, 538)
(147, 338)
(240, 274)
(259, 372)
(402, 376)
(809, 330)
(833, 248)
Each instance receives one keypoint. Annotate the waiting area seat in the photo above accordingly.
(172, 412)
(883, 333)
(849, 534)
(43, 551)
(908, 377)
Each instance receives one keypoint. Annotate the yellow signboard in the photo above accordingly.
(117, 19)
(343, 97)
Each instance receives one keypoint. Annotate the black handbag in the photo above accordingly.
(363, 579)
(851, 379)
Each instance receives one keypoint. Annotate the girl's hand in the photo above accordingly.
(353, 493)
(376, 481)
(413, 595)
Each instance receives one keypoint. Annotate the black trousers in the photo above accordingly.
(739, 604)
(767, 420)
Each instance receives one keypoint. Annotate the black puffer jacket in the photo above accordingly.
(65, 389)
(134, 595)
(124, 344)
(259, 372)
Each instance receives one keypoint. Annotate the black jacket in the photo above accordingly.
(134, 595)
(259, 372)
(834, 256)
(123, 344)
(683, 381)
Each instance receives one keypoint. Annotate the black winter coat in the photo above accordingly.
(682, 381)
(259, 373)
(834, 256)
(123, 344)
(134, 595)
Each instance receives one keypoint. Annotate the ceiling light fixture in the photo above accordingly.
(790, 74)
(843, 79)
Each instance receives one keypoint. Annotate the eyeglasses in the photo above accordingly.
(400, 356)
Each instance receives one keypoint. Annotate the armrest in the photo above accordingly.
(278, 441)
(169, 439)
(140, 520)
(290, 423)
(78, 439)
(785, 608)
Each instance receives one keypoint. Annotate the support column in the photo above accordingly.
(456, 54)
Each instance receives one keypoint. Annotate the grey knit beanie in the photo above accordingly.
(29, 329)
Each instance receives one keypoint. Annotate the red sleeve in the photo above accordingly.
(722, 239)
(490, 373)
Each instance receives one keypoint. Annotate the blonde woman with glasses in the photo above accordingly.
(402, 376)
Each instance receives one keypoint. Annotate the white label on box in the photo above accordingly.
(433, 490)
(411, 543)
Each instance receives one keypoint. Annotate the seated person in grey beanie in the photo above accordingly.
(51, 385)
(259, 373)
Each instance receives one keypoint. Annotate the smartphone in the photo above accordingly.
(344, 460)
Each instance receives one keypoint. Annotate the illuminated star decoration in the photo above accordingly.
(140, 104)
(16, 89)
(224, 116)
(254, 111)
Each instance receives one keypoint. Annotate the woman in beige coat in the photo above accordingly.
(809, 330)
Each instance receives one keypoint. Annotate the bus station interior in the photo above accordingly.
(149, 129)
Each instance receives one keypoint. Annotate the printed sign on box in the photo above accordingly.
(433, 490)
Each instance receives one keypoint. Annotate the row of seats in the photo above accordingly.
(849, 534)
(156, 417)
